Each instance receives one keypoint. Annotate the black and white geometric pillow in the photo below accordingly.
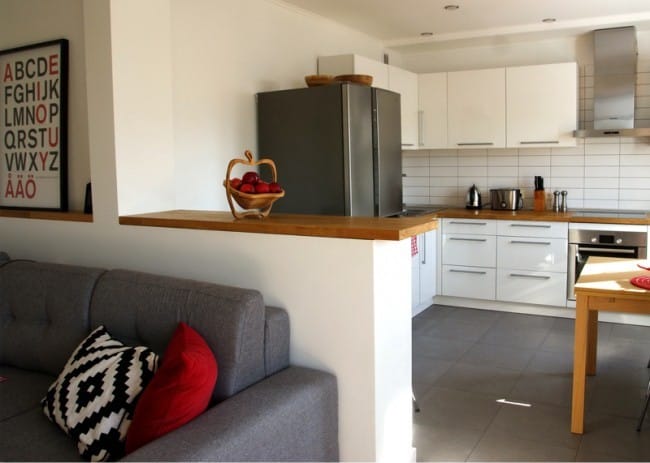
(94, 397)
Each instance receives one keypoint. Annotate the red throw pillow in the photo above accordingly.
(180, 390)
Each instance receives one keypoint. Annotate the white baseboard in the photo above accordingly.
(531, 309)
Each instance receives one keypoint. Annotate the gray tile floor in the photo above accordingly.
(465, 360)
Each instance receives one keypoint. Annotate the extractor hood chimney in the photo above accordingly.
(615, 58)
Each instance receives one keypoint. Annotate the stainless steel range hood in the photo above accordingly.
(615, 58)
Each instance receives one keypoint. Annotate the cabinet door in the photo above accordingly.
(542, 105)
(472, 282)
(548, 254)
(406, 84)
(428, 267)
(477, 108)
(432, 101)
(547, 288)
(469, 250)
(355, 64)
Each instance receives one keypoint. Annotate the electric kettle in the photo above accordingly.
(473, 198)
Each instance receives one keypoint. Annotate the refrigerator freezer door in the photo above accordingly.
(387, 138)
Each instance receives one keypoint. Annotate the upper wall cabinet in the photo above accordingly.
(541, 105)
(477, 108)
(406, 84)
(355, 64)
(432, 96)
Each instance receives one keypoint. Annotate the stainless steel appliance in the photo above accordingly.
(337, 148)
(615, 75)
(623, 242)
(509, 199)
(473, 198)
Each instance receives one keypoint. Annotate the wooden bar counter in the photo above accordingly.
(604, 284)
(364, 228)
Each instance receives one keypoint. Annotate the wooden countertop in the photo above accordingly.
(609, 275)
(546, 216)
(365, 228)
(46, 215)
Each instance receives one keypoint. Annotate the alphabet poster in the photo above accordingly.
(33, 126)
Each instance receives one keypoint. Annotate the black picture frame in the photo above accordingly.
(34, 126)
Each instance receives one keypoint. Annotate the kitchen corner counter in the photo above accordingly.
(546, 216)
(365, 228)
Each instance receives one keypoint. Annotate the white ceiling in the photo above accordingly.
(398, 23)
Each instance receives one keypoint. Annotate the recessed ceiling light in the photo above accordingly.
(451, 7)
(548, 20)
(426, 34)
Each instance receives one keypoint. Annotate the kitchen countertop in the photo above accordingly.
(365, 228)
(546, 216)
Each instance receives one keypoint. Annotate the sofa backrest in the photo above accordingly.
(141, 308)
(43, 313)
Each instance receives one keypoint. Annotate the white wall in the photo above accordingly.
(224, 52)
(49, 21)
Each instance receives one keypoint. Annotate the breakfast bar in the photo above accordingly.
(604, 285)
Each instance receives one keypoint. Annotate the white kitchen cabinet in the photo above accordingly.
(423, 266)
(432, 103)
(532, 262)
(406, 84)
(355, 64)
(471, 282)
(542, 105)
(469, 258)
(477, 108)
(529, 287)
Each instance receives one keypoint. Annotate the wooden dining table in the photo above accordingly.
(604, 284)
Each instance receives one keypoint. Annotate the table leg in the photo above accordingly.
(592, 341)
(579, 364)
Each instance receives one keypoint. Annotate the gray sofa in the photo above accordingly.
(263, 408)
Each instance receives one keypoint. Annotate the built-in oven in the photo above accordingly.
(620, 242)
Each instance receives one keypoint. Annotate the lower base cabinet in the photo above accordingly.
(472, 282)
(545, 288)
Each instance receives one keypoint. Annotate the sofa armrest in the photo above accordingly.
(289, 416)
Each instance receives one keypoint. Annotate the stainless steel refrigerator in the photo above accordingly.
(337, 149)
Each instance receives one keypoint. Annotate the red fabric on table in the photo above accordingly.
(414, 246)
(180, 390)
(641, 281)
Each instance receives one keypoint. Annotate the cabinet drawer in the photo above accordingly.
(542, 254)
(470, 250)
(529, 228)
(546, 288)
(472, 282)
(482, 227)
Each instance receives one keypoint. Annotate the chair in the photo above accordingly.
(644, 412)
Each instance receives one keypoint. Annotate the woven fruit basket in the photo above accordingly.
(254, 204)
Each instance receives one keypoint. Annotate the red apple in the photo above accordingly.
(251, 178)
(235, 183)
(261, 187)
(247, 188)
(275, 187)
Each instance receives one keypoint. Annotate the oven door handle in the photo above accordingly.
(608, 250)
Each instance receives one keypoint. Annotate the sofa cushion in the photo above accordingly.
(93, 398)
(31, 437)
(180, 390)
(145, 309)
(43, 313)
(22, 391)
